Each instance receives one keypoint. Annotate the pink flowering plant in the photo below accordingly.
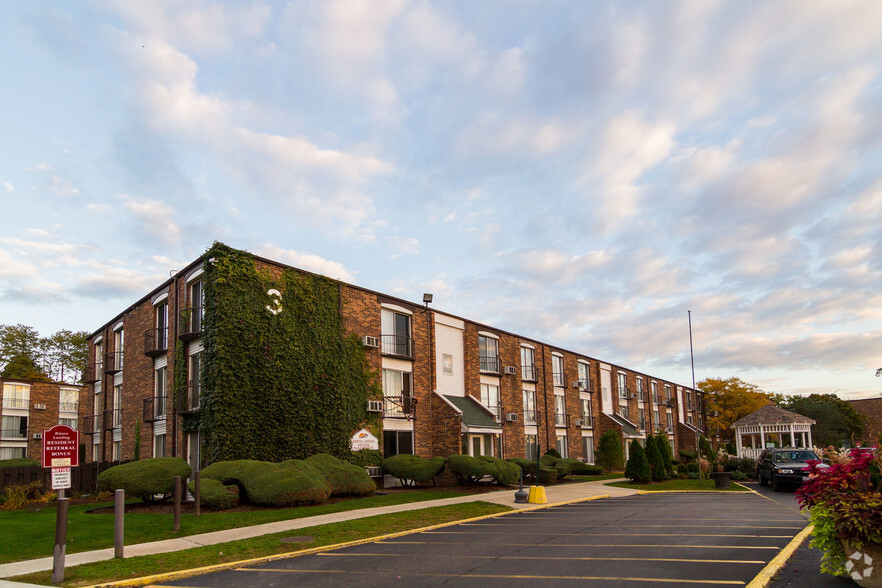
(845, 505)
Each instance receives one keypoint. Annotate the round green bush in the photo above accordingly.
(547, 475)
(563, 466)
(410, 469)
(19, 462)
(214, 495)
(344, 478)
(583, 469)
(146, 478)
(505, 473)
(469, 469)
(366, 457)
(288, 483)
(682, 468)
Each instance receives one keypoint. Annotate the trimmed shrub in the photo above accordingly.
(637, 469)
(410, 469)
(554, 453)
(739, 476)
(19, 462)
(366, 457)
(583, 469)
(344, 478)
(505, 473)
(146, 478)
(547, 475)
(682, 468)
(745, 465)
(468, 469)
(654, 458)
(688, 454)
(610, 454)
(692, 468)
(288, 483)
(214, 495)
(667, 454)
(563, 466)
(707, 451)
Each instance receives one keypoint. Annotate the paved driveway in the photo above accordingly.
(683, 539)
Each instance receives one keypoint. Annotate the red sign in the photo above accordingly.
(61, 447)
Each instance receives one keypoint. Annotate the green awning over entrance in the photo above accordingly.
(628, 429)
(475, 419)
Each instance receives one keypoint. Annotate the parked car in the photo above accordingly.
(785, 467)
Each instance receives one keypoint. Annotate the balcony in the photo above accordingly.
(190, 323)
(154, 409)
(189, 397)
(528, 373)
(397, 345)
(497, 413)
(91, 424)
(584, 385)
(68, 406)
(558, 379)
(655, 398)
(489, 363)
(560, 419)
(529, 417)
(113, 362)
(13, 435)
(624, 392)
(93, 372)
(587, 421)
(112, 419)
(155, 341)
(399, 407)
(20, 403)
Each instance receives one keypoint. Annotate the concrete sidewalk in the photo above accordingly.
(560, 493)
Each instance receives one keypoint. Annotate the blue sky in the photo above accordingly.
(579, 172)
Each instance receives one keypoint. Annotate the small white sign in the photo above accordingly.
(59, 462)
(61, 478)
(364, 440)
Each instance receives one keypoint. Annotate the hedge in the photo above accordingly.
(563, 466)
(145, 478)
(413, 468)
(471, 469)
(19, 462)
(583, 469)
(547, 475)
(214, 495)
(288, 483)
(344, 478)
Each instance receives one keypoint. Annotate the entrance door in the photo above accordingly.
(480, 445)
(193, 450)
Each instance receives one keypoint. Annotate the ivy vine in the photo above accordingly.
(282, 385)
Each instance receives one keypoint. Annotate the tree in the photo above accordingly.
(60, 357)
(66, 354)
(610, 454)
(705, 450)
(24, 367)
(664, 448)
(17, 341)
(837, 422)
(656, 462)
(729, 400)
(637, 469)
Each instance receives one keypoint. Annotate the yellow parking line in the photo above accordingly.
(765, 576)
(546, 558)
(584, 545)
(509, 576)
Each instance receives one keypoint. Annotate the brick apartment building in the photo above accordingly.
(29, 407)
(449, 385)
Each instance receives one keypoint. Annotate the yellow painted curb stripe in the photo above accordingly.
(182, 574)
(765, 576)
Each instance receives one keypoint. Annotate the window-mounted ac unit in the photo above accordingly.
(580, 423)
(375, 406)
(669, 404)
(510, 370)
(369, 341)
(511, 417)
(577, 384)
(39, 407)
(38, 435)
(633, 397)
(374, 471)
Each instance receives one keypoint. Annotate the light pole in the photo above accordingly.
(692, 361)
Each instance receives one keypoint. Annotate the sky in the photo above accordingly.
(582, 173)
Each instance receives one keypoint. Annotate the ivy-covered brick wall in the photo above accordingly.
(284, 384)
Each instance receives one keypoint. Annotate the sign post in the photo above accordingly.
(61, 453)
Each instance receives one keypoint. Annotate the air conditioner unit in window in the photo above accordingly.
(669, 404)
(633, 397)
(375, 406)
(511, 417)
(38, 435)
(369, 341)
(510, 370)
(577, 384)
(374, 471)
(579, 422)
(39, 407)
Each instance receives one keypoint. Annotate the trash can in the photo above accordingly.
(721, 479)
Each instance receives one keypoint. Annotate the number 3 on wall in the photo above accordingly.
(276, 298)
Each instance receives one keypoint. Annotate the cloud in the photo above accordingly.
(9, 187)
(306, 261)
(154, 218)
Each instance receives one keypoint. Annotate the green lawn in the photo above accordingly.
(611, 476)
(30, 533)
(111, 570)
(679, 485)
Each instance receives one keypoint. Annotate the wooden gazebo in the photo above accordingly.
(771, 426)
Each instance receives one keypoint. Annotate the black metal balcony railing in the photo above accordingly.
(558, 379)
(91, 424)
(154, 409)
(528, 373)
(112, 419)
(93, 372)
(155, 341)
(624, 391)
(113, 362)
(399, 407)
(640, 395)
(14, 402)
(529, 417)
(13, 434)
(189, 397)
(560, 419)
(68, 406)
(584, 385)
(587, 421)
(655, 398)
(489, 363)
(497, 412)
(190, 323)
(398, 345)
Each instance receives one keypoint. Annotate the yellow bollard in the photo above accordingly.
(537, 495)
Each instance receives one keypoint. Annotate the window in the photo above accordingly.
(667, 393)
(159, 445)
(68, 400)
(196, 312)
(641, 417)
(640, 389)
(488, 354)
(98, 366)
(195, 385)
(116, 451)
(655, 416)
(118, 343)
(528, 367)
(654, 388)
(588, 449)
(557, 370)
(13, 453)
(159, 395)
(16, 396)
(116, 413)
(14, 428)
(397, 395)
(561, 445)
(397, 443)
(96, 412)
(689, 400)
(72, 423)
(669, 415)
(700, 422)
(623, 384)
(447, 363)
(585, 406)
(490, 399)
(529, 407)
(623, 412)
(584, 378)
(560, 410)
(395, 333)
(689, 418)
(698, 402)
(161, 326)
(531, 451)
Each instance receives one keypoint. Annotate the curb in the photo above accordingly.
(765, 576)
(183, 574)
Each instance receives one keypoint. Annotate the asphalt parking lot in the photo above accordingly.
(687, 539)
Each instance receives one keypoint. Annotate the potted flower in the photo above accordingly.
(845, 504)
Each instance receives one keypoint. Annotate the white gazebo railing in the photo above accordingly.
(751, 440)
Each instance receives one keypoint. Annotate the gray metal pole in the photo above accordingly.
(177, 523)
(692, 360)
(60, 541)
(198, 488)
(119, 510)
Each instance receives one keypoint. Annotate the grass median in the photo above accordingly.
(30, 533)
(330, 534)
(682, 485)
